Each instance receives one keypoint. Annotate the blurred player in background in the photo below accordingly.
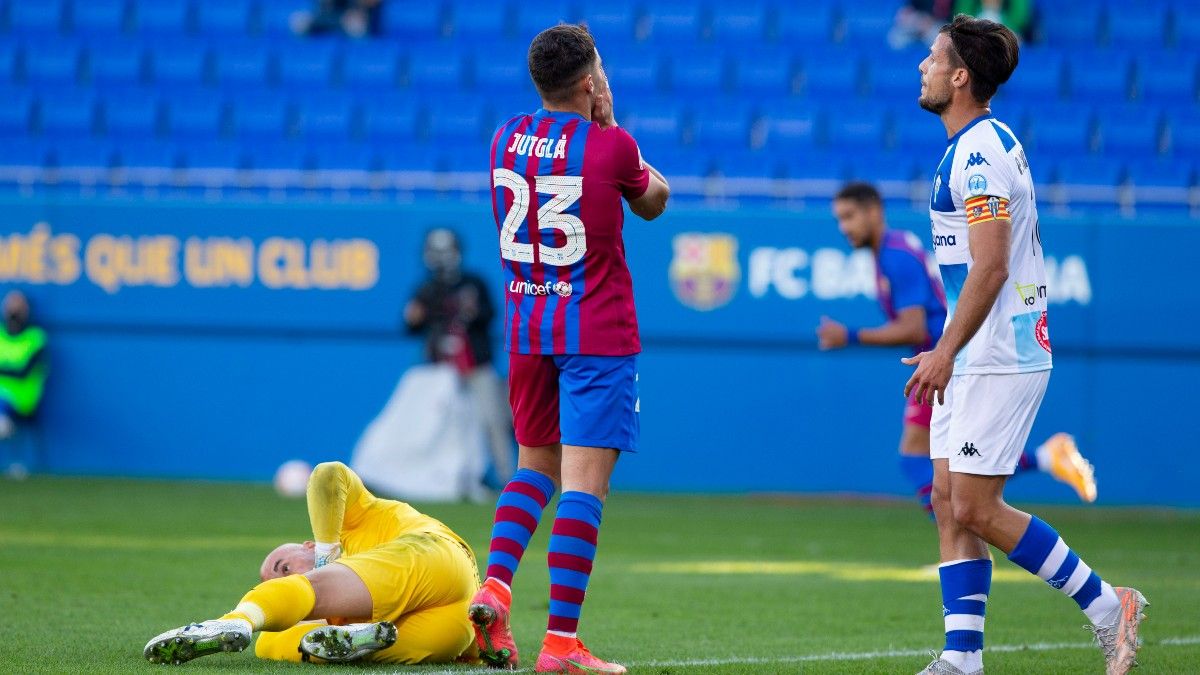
(453, 310)
(405, 576)
(22, 381)
(990, 368)
(558, 178)
(914, 303)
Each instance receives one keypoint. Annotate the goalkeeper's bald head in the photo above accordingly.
(288, 559)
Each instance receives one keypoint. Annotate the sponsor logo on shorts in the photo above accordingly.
(1041, 331)
(940, 240)
(562, 289)
(968, 450)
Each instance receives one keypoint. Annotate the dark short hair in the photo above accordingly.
(861, 193)
(558, 57)
(988, 50)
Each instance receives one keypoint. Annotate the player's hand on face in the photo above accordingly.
(931, 377)
(831, 334)
(602, 104)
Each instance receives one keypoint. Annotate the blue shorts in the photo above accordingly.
(575, 399)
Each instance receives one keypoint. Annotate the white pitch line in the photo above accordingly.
(852, 656)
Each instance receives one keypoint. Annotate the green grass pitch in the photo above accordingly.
(90, 569)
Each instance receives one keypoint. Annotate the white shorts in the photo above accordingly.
(984, 424)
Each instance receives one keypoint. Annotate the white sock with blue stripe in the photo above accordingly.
(1042, 552)
(965, 588)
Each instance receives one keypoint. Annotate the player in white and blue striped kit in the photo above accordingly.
(989, 371)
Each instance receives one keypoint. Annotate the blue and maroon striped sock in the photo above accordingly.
(572, 550)
(518, 511)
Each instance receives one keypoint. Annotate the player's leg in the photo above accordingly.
(965, 571)
(914, 452)
(533, 395)
(1059, 456)
(432, 635)
(274, 605)
(599, 419)
(977, 494)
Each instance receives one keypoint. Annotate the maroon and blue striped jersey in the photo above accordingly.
(557, 185)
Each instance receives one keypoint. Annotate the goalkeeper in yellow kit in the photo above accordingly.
(382, 583)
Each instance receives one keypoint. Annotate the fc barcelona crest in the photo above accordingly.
(705, 272)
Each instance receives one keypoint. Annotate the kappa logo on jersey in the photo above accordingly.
(968, 450)
(562, 289)
(976, 159)
(705, 271)
(1041, 332)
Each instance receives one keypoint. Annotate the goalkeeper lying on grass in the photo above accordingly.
(382, 583)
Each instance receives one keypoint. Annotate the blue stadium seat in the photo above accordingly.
(276, 155)
(162, 16)
(1079, 27)
(1038, 78)
(407, 157)
(700, 72)
(1015, 115)
(15, 113)
(1141, 25)
(868, 22)
(390, 119)
(195, 114)
(501, 66)
(1184, 134)
(674, 20)
(275, 16)
(246, 64)
(459, 118)
(9, 51)
(1095, 180)
(1101, 76)
(817, 165)
(116, 63)
(371, 65)
(1062, 129)
(857, 128)
(682, 161)
(724, 126)
(805, 23)
(260, 115)
(637, 70)
(131, 113)
(83, 153)
(791, 128)
(505, 105)
(51, 62)
(224, 17)
(344, 156)
(1187, 29)
(328, 116)
(480, 18)
(90, 17)
(740, 22)
(23, 151)
(884, 166)
(179, 62)
(213, 155)
(765, 70)
(36, 16)
(413, 19)
(832, 73)
(895, 75)
(1167, 77)
(440, 68)
(307, 63)
(535, 17)
(1129, 132)
(1161, 173)
(612, 22)
(67, 113)
(919, 133)
(143, 154)
(654, 121)
(750, 164)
